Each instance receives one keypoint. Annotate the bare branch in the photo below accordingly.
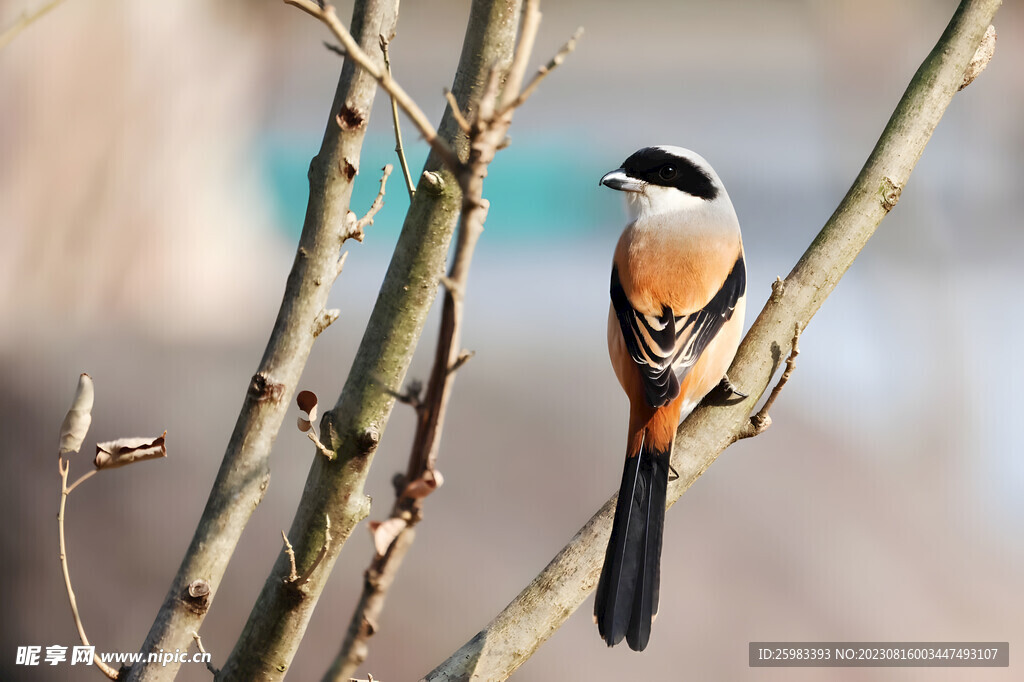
(515, 634)
(378, 203)
(27, 18)
(397, 126)
(304, 578)
(327, 15)
(353, 428)
(487, 131)
(760, 422)
(244, 474)
(324, 450)
(460, 118)
(524, 51)
(543, 71)
(199, 645)
(290, 551)
(63, 467)
(82, 479)
(331, 47)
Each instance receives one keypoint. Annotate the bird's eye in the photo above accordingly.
(667, 172)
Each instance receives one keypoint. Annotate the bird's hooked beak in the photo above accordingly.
(618, 179)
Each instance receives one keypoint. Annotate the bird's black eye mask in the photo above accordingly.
(659, 167)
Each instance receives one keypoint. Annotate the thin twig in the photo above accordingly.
(524, 50)
(199, 645)
(375, 207)
(293, 574)
(543, 71)
(82, 479)
(331, 47)
(324, 450)
(26, 19)
(457, 114)
(760, 422)
(304, 578)
(63, 467)
(487, 130)
(394, 121)
(327, 15)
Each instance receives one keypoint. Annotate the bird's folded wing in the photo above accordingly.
(665, 347)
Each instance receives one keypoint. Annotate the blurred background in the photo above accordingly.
(152, 188)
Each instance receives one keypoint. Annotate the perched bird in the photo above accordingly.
(678, 291)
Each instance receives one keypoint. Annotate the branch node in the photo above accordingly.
(325, 318)
(197, 596)
(889, 191)
(451, 286)
(433, 181)
(982, 56)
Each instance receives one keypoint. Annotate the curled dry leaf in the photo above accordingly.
(118, 453)
(307, 403)
(385, 532)
(423, 486)
(79, 417)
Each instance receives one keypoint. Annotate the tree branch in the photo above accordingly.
(487, 131)
(64, 467)
(399, 149)
(760, 422)
(329, 17)
(354, 426)
(245, 469)
(26, 19)
(516, 633)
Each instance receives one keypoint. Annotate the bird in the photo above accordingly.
(678, 297)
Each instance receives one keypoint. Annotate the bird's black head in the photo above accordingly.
(664, 167)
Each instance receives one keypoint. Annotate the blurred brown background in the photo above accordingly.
(151, 190)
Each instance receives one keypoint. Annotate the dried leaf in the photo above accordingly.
(385, 532)
(118, 453)
(307, 403)
(423, 486)
(79, 417)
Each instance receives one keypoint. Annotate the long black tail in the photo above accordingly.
(627, 594)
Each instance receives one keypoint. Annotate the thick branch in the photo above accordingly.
(354, 427)
(245, 469)
(487, 132)
(512, 637)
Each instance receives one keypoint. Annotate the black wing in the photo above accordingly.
(666, 347)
